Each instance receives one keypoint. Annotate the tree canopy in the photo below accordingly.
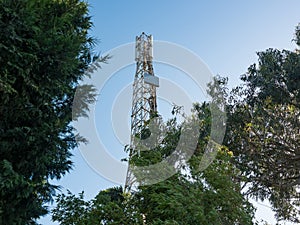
(263, 129)
(190, 196)
(44, 50)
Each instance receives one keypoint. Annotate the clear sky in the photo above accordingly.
(225, 34)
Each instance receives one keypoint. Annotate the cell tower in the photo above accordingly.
(144, 105)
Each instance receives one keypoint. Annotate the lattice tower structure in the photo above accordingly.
(144, 102)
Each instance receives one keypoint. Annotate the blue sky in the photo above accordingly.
(225, 34)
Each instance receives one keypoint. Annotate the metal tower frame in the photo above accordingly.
(144, 103)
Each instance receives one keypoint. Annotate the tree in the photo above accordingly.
(110, 206)
(44, 52)
(190, 196)
(264, 129)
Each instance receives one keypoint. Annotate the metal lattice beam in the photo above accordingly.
(144, 103)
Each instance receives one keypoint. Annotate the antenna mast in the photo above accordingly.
(144, 104)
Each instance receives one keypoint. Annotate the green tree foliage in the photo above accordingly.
(44, 50)
(190, 196)
(110, 206)
(264, 129)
